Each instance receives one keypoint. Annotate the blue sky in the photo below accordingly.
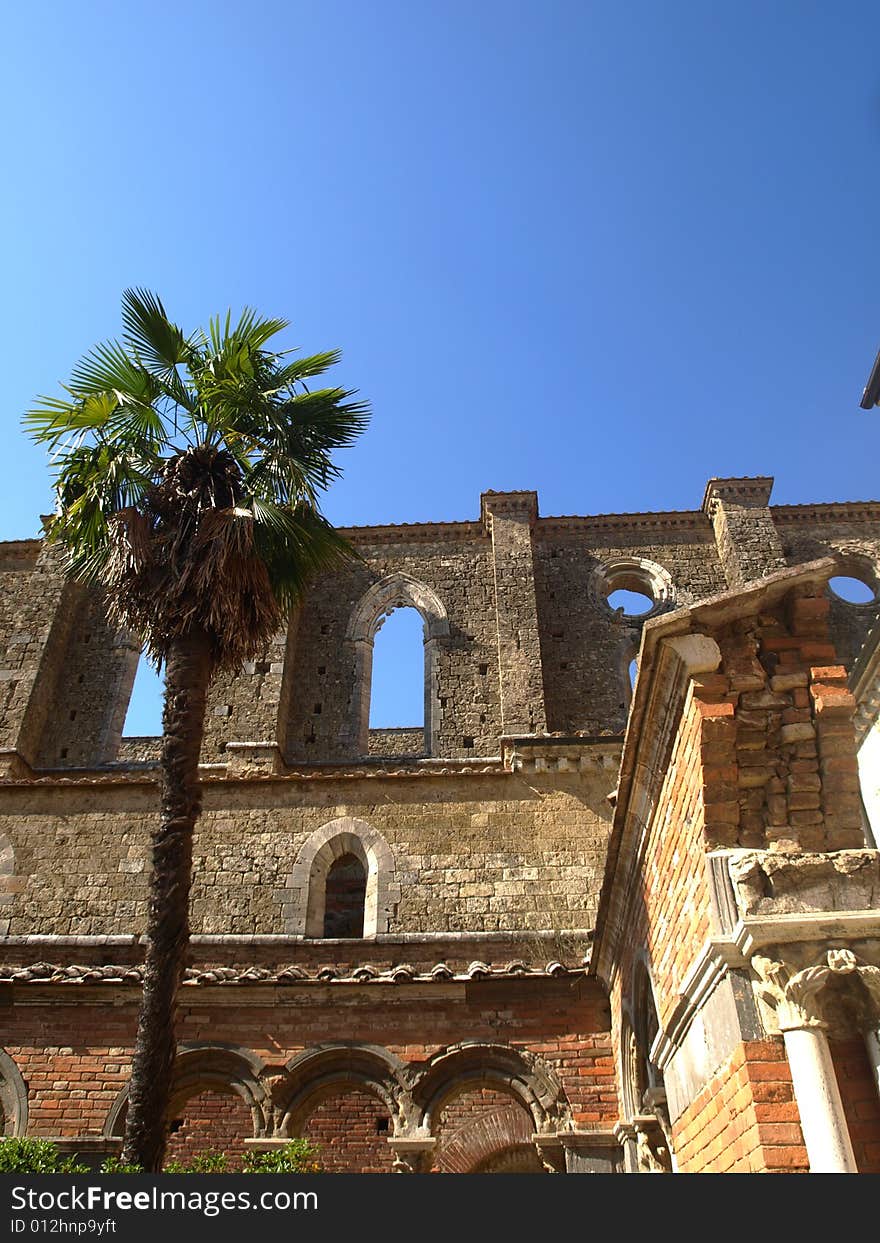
(601, 250)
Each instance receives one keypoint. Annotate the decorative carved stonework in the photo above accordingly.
(652, 1149)
(797, 996)
(412, 1154)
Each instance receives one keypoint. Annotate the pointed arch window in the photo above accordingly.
(397, 591)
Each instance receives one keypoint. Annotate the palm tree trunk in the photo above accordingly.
(187, 675)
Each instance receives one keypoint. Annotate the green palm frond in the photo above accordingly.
(300, 369)
(107, 367)
(155, 340)
(296, 542)
(189, 472)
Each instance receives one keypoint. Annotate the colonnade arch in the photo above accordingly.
(412, 1095)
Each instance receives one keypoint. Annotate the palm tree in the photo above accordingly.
(188, 470)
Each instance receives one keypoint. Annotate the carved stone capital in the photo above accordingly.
(412, 1154)
(796, 995)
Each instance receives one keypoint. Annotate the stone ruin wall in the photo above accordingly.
(483, 852)
(527, 645)
(302, 692)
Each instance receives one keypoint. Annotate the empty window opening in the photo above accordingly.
(633, 672)
(852, 590)
(345, 897)
(397, 692)
(633, 603)
(144, 716)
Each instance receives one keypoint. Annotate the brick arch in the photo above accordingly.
(519, 1159)
(473, 1064)
(208, 1068)
(13, 1098)
(328, 1070)
(306, 886)
(383, 597)
(7, 872)
(494, 1124)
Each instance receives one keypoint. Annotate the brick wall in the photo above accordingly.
(745, 1120)
(211, 1122)
(74, 1052)
(861, 1105)
(347, 1129)
(478, 1126)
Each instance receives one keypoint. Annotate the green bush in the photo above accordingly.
(115, 1165)
(36, 1156)
(41, 1156)
(297, 1157)
(202, 1163)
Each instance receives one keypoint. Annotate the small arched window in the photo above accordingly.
(345, 898)
(343, 883)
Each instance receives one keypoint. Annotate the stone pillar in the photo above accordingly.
(748, 543)
(872, 1044)
(354, 734)
(627, 1137)
(34, 659)
(826, 1135)
(509, 518)
(796, 998)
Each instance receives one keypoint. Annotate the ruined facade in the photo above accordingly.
(447, 948)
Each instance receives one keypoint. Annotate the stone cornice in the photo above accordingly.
(752, 491)
(681, 520)
(120, 974)
(842, 511)
(415, 532)
(213, 775)
(534, 752)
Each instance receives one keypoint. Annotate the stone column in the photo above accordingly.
(872, 1044)
(509, 518)
(34, 659)
(826, 1135)
(796, 998)
(748, 543)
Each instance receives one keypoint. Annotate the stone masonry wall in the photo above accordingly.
(479, 851)
(585, 646)
(524, 600)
